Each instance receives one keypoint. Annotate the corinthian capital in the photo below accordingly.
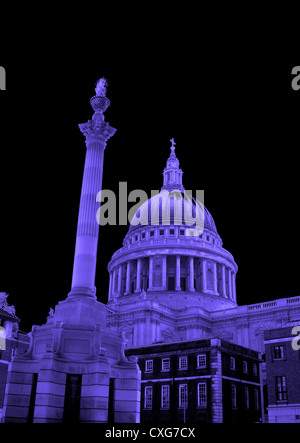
(97, 129)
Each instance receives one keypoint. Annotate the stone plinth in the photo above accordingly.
(110, 384)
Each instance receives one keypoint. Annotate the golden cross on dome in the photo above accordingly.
(173, 145)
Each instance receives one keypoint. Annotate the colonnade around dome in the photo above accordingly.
(174, 262)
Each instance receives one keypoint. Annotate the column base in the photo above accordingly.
(83, 292)
(177, 289)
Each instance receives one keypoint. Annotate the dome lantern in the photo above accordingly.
(172, 172)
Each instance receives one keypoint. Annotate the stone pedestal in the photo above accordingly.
(110, 384)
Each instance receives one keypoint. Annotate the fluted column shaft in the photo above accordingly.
(84, 268)
(127, 289)
(224, 280)
(150, 273)
(204, 285)
(164, 272)
(138, 276)
(233, 287)
(120, 280)
(114, 283)
(192, 287)
(178, 286)
(110, 286)
(215, 277)
(229, 284)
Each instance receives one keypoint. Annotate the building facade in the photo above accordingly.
(12, 341)
(172, 280)
(210, 381)
(283, 373)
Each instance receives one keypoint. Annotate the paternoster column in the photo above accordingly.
(96, 132)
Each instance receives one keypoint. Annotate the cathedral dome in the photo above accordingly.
(172, 253)
(174, 208)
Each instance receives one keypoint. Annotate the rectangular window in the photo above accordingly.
(148, 397)
(183, 363)
(254, 369)
(281, 388)
(232, 363)
(202, 396)
(233, 396)
(181, 231)
(256, 399)
(246, 397)
(165, 364)
(183, 396)
(165, 396)
(149, 366)
(278, 352)
(245, 367)
(72, 398)
(201, 361)
(161, 232)
(151, 233)
(143, 235)
(171, 231)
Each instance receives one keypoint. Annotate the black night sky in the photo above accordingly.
(229, 105)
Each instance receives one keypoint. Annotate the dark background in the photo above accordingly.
(225, 97)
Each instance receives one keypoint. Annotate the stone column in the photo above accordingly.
(138, 276)
(96, 132)
(164, 272)
(192, 287)
(114, 283)
(178, 287)
(110, 286)
(215, 277)
(150, 274)
(224, 280)
(233, 287)
(127, 289)
(204, 287)
(120, 280)
(229, 285)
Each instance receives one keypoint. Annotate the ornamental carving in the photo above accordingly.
(96, 129)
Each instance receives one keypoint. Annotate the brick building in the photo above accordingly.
(210, 381)
(283, 373)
